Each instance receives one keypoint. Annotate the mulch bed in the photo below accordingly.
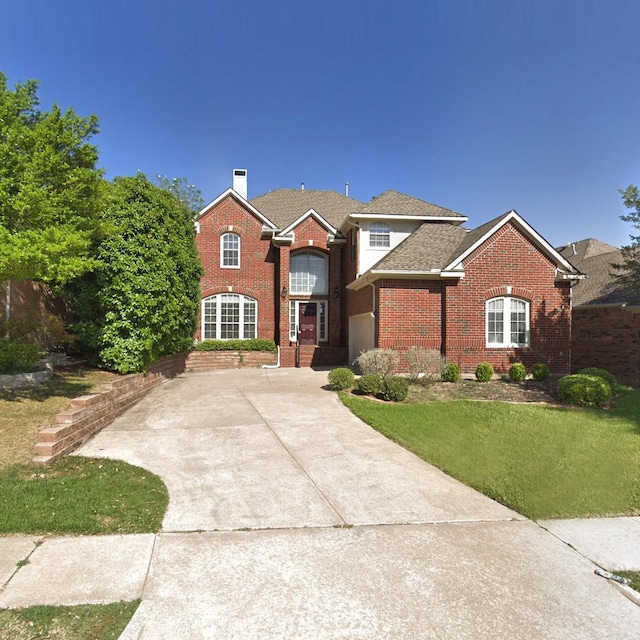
(531, 391)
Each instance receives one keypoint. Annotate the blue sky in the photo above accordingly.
(476, 105)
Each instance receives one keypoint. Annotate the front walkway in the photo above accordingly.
(289, 518)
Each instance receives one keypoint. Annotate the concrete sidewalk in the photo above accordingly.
(347, 535)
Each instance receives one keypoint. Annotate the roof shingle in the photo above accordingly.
(395, 203)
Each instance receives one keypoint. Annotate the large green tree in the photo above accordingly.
(627, 272)
(49, 187)
(142, 301)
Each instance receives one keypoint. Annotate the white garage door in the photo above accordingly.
(361, 334)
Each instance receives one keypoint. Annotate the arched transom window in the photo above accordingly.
(308, 274)
(229, 315)
(507, 322)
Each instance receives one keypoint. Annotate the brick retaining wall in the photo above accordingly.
(198, 360)
(88, 414)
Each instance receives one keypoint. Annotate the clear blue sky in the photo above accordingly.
(481, 106)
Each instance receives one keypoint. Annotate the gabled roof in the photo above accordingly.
(394, 203)
(437, 250)
(485, 231)
(285, 206)
(595, 259)
(234, 194)
(426, 249)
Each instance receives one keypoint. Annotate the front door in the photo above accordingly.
(307, 324)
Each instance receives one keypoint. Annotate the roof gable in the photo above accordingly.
(236, 196)
(481, 234)
(286, 206)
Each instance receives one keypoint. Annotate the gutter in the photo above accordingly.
(273, 366)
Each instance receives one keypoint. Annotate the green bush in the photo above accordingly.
(17, 357)
(370, 384)
(484, 372)
(451, 373)
(600, 373)
(540, 371)
(382, 362)
(254, 344)
(584, 391)
(517, 372)
(395, 388)
(341, 378)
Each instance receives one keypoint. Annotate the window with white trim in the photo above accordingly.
(507, 322)
(308, 274)
(379, 235)
(230, 251)
(229, 315)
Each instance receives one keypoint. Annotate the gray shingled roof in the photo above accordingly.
(594, 258)
(429, 247)
(284, 206)
(395, 203)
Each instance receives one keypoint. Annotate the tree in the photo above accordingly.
(142, 301)
(628, 271)
(49, 188)
(186, 193)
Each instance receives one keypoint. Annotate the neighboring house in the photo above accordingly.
(336, 276)
(605, 318)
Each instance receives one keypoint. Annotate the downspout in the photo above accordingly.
(272, 366)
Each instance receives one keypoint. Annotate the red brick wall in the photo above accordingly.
(508, 259)
(608, 338)
(203, 360)
(415, 313)
(257, 274)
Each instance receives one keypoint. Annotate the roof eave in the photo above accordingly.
(245, 203)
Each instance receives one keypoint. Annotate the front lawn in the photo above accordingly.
(541, 461)
(98, 622)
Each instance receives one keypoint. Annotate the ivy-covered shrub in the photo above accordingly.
(17, 357)
(395, 388)
(600, 373)
(424, 364)
(341, 379)
(540, 371)
(252, 344)
(142, 301)
(451, 373)
(584, 391)
(517, 372)
(370, 384)
(382, 362)
(484, 372)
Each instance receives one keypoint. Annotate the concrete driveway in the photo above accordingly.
(290, 518)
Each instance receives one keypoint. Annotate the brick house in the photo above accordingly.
(605, 317)
(327, 276)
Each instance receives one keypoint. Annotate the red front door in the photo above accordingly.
(307, 323)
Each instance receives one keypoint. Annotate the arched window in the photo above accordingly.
(507, 322)
(230, 251)
(379, 235)
(229, 315)
(308, 274)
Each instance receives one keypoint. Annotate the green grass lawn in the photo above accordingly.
(81, 496)
(543, 462)
(83, 622)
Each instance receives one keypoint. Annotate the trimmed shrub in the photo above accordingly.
(484, 372)
(451, 373)
(584, 391)
(382, 362)
(600, 373)
(370, 384)
(426, 364)
(341, 378)
(17, 357)
(254, 344)
(395, 388)
(517, 372)
(540, 371)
